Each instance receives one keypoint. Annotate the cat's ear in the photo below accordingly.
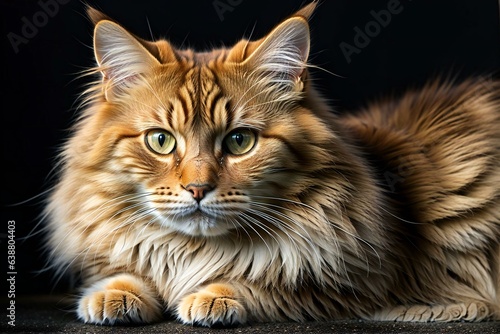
(285, 49)
(280, 58)
(161, 49)
(121, 58)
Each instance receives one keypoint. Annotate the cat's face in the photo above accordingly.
(199, 149)
(206, 142)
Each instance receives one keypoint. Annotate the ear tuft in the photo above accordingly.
(307, 11)
(95, 15)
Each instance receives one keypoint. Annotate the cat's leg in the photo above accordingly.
(470, 311)
(214, 305)
(122, 298)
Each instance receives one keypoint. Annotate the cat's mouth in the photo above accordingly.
(211, 216)
(200, 224)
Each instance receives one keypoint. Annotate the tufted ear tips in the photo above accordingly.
(307, 11)
(96, 15)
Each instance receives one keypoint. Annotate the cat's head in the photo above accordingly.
(206, 141)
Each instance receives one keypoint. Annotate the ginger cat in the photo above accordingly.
(219, 187)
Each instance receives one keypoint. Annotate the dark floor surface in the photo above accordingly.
(51, 314)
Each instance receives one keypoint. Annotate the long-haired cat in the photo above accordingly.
(219, 187)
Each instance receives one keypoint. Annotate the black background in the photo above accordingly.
(427, 38)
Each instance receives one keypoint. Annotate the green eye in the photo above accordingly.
(160, 141)
(239, 141)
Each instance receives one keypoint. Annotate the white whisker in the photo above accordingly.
(252, 221)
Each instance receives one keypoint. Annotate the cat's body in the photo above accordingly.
(219, 187)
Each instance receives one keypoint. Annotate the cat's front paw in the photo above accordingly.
(214, 306)
(119, 299)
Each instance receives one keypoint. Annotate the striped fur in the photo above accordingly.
(391, 213)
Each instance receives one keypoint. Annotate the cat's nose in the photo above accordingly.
(199, 190)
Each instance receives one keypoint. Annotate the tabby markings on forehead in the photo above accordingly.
(202, 99)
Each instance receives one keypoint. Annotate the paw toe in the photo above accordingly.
(209, 310)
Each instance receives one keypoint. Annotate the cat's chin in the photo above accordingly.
(199, 224)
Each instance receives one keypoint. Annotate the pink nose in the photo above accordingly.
(198, 190)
